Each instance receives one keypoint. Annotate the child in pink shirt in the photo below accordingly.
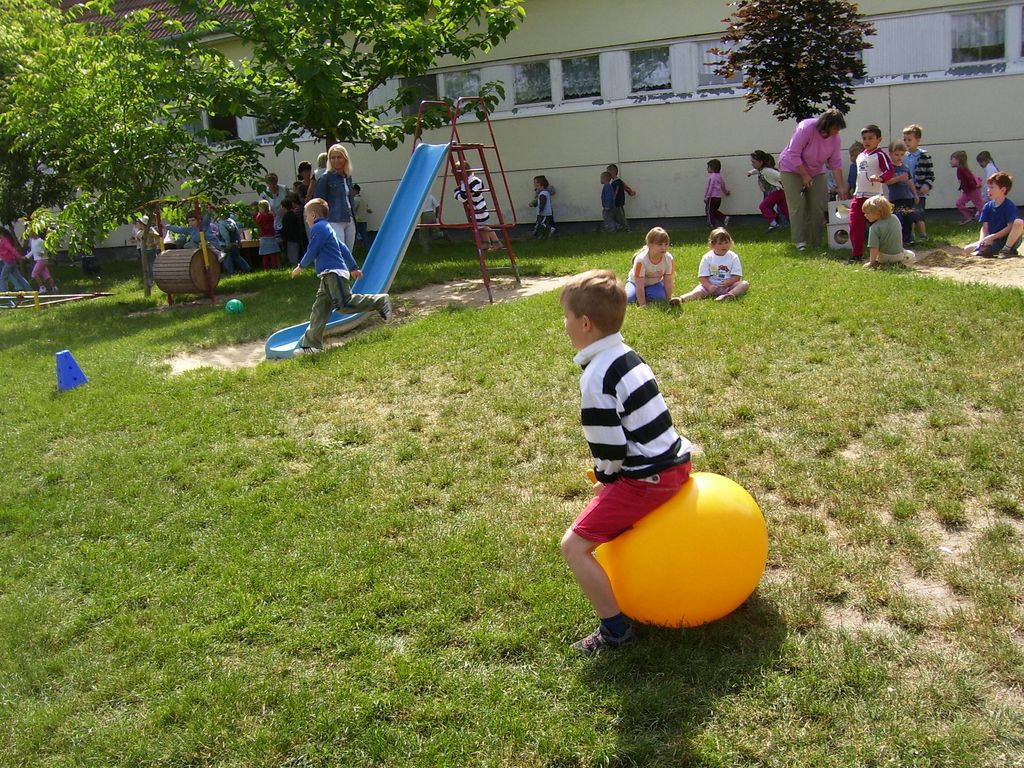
(970, 187)
(714, 190)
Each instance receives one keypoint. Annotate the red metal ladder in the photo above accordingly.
(472, 158)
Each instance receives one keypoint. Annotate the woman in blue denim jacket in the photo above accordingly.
(335, 187)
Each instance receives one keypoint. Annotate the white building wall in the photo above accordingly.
(662, 141)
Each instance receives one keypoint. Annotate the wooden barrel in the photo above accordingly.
(180, 270)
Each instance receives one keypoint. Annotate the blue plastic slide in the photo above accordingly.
(388, 247)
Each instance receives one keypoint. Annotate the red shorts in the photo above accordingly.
(620, 504)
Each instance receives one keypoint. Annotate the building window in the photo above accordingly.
(707, 62)
(464, 83)
(533, 83)
(223, 127)
(269, 127)
(979, 36)
(581, 77)
(649, 70)
(424, 88)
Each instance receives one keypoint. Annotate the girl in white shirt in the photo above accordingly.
(653, 273)
(41, 268)
(720, 272)
(988, 167)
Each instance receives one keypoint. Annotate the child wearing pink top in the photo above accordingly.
(970, 187)
(714, 190)
(813, 148)
(10, 255)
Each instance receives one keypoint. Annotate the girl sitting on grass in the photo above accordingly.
(720, 272)
(653, 273)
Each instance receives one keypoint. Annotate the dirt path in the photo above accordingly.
(461, 293)
(945, 261)
(953, 264)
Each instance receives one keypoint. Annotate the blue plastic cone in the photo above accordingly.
(69, 375)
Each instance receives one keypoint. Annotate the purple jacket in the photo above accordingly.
(809, 148)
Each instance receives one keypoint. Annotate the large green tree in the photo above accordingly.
(801, 56)
(314, 64)
(26, 183)
(115, 116)
(116, 113)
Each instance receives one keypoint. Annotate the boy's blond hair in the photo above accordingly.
(897, 146)
(264, 206)
(318, 206)
(914, 129)
(720, 235)
(877, 205)
(599, 295)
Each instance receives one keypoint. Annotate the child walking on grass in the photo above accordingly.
(970, 187)
(336, 268)
(653, 272)
(545, 226)
(769, 179)
(639, 460)
(41, 268)
(10, 255)
(720, 272)
(714, 191)
(988, 167)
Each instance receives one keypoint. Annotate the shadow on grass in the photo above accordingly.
(669, 682)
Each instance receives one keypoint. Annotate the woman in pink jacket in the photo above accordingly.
(814, 148)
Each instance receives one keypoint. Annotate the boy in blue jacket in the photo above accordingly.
(336, 269)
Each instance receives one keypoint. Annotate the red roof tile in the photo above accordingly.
(156, 28)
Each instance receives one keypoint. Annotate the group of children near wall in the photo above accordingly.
(902, 178)
(889, 191)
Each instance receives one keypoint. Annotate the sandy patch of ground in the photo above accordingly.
(189, 301)
(461, 293)
(952, 263)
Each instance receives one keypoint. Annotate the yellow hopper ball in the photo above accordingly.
(694, 559)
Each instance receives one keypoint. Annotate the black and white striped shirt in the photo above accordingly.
(625, 419)
(476, 190)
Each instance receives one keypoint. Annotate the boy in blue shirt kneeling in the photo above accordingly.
(1001, 228)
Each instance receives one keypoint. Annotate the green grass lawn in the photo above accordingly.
(352, 559)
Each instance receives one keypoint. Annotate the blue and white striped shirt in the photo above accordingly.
(625, 419)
